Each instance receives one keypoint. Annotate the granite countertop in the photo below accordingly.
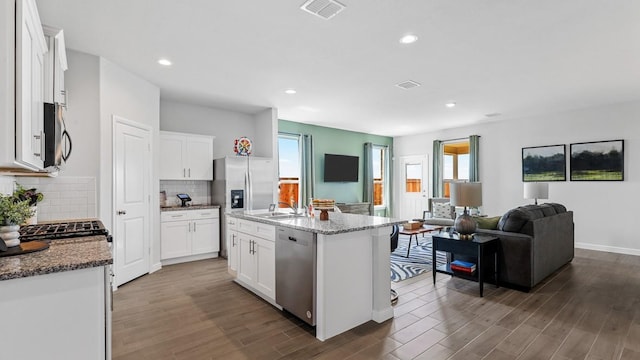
(62, 255)
(338, 223)
(190, 207)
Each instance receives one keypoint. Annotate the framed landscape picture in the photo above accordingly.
(544, 163)
(597, 161)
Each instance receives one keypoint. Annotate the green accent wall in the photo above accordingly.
(336, 141)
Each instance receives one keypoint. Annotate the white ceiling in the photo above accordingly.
(514, 57)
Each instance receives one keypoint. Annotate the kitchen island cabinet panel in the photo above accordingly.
(56, 316)
(350, 289)
(233, 246)
(257, 258)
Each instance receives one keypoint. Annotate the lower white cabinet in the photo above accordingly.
(256, 261)
(233, 245)
(63, 315)
(187, 233)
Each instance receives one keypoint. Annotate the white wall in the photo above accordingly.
(225, 125)
(604, 212)
(127, 95)
(265, 141)
(82, 116)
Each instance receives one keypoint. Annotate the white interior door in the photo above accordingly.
(132, 174)
(413, 185)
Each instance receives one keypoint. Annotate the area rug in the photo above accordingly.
(419, 260)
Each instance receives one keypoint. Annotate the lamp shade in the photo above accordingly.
(466, 194)
(536, 190)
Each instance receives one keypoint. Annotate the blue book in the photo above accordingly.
(463, 264)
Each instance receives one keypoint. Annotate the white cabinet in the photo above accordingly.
(206, 236)
(185, 156)
(69, 313)
(256, 260)
(233, 245)
(22, 53)
(55, 65)
(188, 235)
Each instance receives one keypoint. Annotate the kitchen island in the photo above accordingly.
(352, 265)
(57, 302)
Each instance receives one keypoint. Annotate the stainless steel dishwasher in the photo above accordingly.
(296, 273)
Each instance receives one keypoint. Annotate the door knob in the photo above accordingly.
(122, 212)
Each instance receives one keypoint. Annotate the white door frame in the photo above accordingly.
(115, 120)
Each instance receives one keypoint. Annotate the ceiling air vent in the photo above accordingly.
(325, 9)
(409, 84)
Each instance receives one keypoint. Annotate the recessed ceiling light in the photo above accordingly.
(450, 104)
(290, 91)
(164, 62)
(408, 39)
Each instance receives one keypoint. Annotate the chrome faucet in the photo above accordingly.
(293, 207)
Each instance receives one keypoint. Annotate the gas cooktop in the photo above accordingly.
(63, 229)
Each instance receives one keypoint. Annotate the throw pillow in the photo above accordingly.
(441, 210)
(489, 223)
(513, 220)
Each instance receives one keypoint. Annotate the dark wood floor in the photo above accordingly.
(590, 309)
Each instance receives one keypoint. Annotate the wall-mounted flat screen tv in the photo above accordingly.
(340, 168)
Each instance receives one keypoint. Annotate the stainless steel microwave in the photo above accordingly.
(57, 142)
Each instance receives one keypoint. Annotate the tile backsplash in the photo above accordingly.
(64, 197)
(198, 190)
(6, 184)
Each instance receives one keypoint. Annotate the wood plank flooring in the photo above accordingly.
(589, 309)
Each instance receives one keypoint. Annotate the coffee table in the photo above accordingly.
(414, 232)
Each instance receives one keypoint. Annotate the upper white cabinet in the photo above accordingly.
(185, 156)
(55, 64)
(23, 52)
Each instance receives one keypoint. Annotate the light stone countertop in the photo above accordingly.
(62, 255)
(338, 223)
(190, 207)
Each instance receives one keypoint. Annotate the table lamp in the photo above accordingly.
(468, 194)
(536, 190)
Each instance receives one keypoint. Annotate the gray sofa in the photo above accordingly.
(535, 241)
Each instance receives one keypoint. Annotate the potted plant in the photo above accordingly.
(13, 212)
(30, 195)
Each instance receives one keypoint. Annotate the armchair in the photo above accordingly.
(439, 212)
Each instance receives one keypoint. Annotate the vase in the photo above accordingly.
(34, 218)
(10, 235)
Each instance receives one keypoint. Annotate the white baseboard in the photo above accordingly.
(189, 258)
(613, 249)
(382, 315)
(155, 267)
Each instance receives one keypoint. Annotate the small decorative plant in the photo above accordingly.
(13, 211)
(32, 195)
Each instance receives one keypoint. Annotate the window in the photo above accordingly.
(413, 177)
(379, 175)
(289, 169)
(455, 163)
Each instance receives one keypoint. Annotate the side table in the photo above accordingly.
(477, 247)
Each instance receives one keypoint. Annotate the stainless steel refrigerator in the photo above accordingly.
(241, 183)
